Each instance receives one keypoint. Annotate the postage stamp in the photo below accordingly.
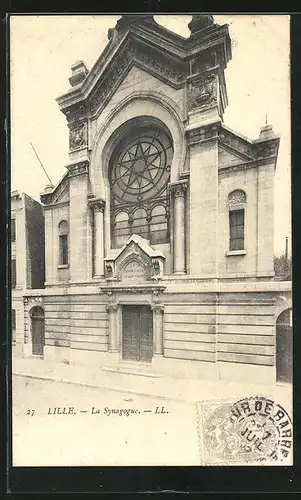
(250, 431)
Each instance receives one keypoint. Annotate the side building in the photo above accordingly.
(27, 259)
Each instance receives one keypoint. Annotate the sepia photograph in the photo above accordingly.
(150, 236)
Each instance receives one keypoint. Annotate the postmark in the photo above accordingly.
(252, 430)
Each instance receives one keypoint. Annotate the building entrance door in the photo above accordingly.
(137, 333)
(37, 331)
(284, 347)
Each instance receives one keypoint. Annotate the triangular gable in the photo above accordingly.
(145, 44)
(136, 260)
(234, 148)
(134, 241)
(227, 156)
(59, 194)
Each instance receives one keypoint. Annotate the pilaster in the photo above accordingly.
(203, 190)
(158, 345)
(98, 208)
(178, 192)
(112, 310)
(78, 188)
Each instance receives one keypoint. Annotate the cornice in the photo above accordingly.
(226, 169)
(227, 147)
(128, 288)
(153, 48)
(57, 205)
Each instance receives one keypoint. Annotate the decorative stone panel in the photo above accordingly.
(135, 262)
(78, 136)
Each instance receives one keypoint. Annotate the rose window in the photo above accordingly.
(139, 174)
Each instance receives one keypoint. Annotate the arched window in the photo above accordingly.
(158, 225)
(122, 228)
(236, 206)
(63, 243)
(139, 174)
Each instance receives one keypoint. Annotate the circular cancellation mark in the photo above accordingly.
(252, 430)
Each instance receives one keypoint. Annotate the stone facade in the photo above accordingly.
(213, 308)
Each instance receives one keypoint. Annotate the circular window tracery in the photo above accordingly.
(142, 168)
(138, 176)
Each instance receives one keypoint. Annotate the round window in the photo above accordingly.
(141, 168)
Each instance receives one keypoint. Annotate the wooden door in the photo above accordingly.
(38, 331)
(137, 333)
(284, 347)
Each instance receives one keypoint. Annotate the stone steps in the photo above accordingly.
(137, 369)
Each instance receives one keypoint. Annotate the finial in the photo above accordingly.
(200, 22)
(79, 73)
(128, 19)
(266, 118)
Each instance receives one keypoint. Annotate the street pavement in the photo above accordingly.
(107, 418)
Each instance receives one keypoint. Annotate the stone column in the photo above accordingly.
(98, 207)
(158, 310)
(113, 337)
(179, 193)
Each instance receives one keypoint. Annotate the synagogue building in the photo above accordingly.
(159, 238)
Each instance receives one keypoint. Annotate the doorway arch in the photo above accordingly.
(37, 330)
(284, 347)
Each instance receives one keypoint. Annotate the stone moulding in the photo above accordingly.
(133, 289)
(157, 51)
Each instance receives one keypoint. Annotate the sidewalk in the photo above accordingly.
(170, 388)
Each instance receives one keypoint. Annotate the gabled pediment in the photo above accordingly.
(234, 147)
(57, 194)
(229, 156)
(135, 261)
(149, 46)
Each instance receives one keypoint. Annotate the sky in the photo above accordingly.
(43, 48)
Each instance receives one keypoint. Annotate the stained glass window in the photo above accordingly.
(139, 174)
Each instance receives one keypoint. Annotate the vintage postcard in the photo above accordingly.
(150, 239)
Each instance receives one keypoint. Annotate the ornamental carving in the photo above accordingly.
(112, 308)
(202, 134)
(78, 169)
(179, 189)
(134, 267)
(237, 197)
(202, 92)
(97, 206)
(172, 71)
(78, 136)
